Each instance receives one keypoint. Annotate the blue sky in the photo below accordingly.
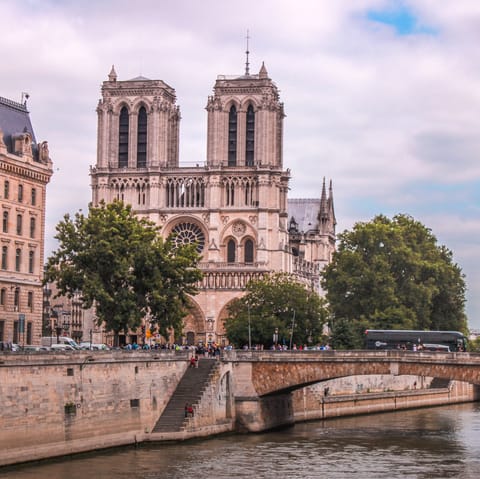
(382, 97)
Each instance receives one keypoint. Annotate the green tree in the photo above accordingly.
(275, 303)
(121, 265)
(391, 274)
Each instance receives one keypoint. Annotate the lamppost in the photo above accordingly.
(249, 329)
(291, 331)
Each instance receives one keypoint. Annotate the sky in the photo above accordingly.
(381, 96)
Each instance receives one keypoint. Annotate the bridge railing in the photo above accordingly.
(349, 355)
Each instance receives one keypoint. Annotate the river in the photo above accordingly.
(441, 442)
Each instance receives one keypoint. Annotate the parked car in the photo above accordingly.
(94, 346)
(61, 347)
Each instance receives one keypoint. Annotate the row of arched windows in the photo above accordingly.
(19, 224)
(233, 138)
(234, 250)
(124, 137)
(20, 193)
(18, 259)
(185, 192)
(240, 192)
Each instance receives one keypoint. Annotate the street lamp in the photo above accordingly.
(291, 331)
(249, 329)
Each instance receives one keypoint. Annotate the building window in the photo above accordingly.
(6, 189)
(32, 227)
(250, 139)
(3, 296)
(4, 257)
(18, 259)
(29, 332)
(5, 222)
(188, 233)
(142, 139)
(232, 136)
(231, 251)
(30, 300)
(19, 225)
(2, 330)
(123, 138)
(16, 299)
(248, 251)
(20, 193)
(34, 196)
(31, 258)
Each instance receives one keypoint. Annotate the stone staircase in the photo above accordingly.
(189, 390)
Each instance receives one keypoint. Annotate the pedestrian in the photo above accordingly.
(186, 409)
(190, 410)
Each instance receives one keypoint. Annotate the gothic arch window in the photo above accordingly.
(142, 138)
(231, 251)
(32, 227)
(188, 233)
(232, 136)
(123, 128)
(230, 193)
(4, 257)
(250, 137)
(18, 259)
(5, 222)
(31, 257)
(248, 251)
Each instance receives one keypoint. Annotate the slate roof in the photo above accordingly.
(305, 212)
(14, 119)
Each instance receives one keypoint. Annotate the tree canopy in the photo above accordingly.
(392, 274)
(121, 265)
(276, 303)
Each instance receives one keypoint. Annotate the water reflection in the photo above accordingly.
(427, 443)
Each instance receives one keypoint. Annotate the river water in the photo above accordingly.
(442, 442)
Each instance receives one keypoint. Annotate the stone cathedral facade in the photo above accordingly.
(234, 205)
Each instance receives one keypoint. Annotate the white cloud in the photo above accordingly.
(392, 119)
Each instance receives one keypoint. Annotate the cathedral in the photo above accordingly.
(234, 206)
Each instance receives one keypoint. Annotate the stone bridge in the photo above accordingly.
(263, 380)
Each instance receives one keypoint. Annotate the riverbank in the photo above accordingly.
(53, 405)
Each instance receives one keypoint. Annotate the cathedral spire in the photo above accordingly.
(112, 76)
(263, 71)
(247, 65)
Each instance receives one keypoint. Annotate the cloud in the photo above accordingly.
(390, 115)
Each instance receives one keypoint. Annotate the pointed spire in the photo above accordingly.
(112, 76)
(263, 71)
(247, 65)
(323, 202)
(331, 210)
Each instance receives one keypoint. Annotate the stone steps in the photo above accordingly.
(189, 390)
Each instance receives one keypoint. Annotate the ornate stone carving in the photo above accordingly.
(239, 228)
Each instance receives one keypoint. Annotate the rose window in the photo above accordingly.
(188, 233)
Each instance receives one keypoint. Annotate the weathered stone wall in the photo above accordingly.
(56, 404)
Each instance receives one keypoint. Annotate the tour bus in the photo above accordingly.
(409, 339)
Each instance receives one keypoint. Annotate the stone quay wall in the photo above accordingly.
(55, 404)
(60, 403)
